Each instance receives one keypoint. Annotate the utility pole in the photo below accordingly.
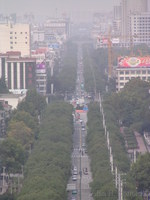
(4, 175)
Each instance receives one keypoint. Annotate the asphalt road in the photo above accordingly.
(80, 157)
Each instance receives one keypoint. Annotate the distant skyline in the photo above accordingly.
(53, 7)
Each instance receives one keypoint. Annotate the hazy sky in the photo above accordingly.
(45, 7)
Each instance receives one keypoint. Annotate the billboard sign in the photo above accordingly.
(41, 67)
(53, 46)
(134, 62)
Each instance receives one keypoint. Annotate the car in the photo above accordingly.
(83, 145)
(85, 151)
(81, 120)
(74, 192)
(83, 129)
(75, 168)
(74, 177)
(75, 172)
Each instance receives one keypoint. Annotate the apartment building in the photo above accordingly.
(15, 37)
(132, 67)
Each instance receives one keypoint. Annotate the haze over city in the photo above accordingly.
(50, 7)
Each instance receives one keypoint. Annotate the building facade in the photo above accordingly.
(128, 7)
(18, 72)
(140, 27)
(15, 37)
(132, 67)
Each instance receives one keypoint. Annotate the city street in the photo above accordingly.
(78, 185)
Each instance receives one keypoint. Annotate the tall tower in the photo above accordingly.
(129, 7)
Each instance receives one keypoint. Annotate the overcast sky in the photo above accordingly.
(45, 7)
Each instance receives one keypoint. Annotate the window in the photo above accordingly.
(132, 72)
(144, 72)
(121, 78)
(144, 78)
(122, 72)
(127, 78)
(126, 72)
(138, 72)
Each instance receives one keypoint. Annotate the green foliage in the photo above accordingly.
(12, 155)
(102, 185)
(140, 172)
(3, 87)
(28, 120)
(65, 79)
(132, 105)
(21, 133)
(48, 168)
(94, 69)
(7, 197)
(34, 103)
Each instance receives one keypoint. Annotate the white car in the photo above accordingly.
(81, 120)
(74, 177)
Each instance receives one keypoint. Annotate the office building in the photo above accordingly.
(18, 72)
(127, 8)
(15, 37)
(132, 67)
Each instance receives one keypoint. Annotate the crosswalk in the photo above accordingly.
(79, 152)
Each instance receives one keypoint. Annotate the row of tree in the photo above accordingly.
(22, 130)
(103, 186)
(48, 168)
(94, 70)
(65, 76)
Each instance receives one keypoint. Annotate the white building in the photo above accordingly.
(15, 37)
(128, 7)
(12, 99)
(132, 67)
(38, 36)
(140, 28)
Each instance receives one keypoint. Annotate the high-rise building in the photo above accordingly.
(127, 8)
(117, 20)
(15, 37)
(140, 28)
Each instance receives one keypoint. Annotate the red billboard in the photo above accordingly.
(134, 61)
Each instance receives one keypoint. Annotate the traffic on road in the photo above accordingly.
(78, 184)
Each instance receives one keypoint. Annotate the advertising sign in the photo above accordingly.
(41, 68)
(134, 62)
